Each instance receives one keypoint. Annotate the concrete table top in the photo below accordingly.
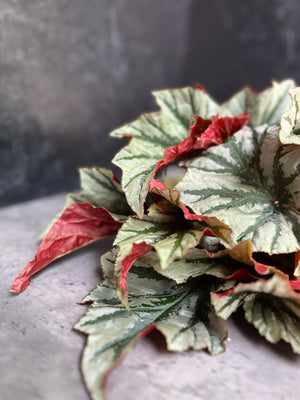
(40, 353)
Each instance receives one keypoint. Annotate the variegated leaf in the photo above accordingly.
(265, 107)
(153, 133)
(165, 229)
(220, 230)
(271, 306)
(182, 312)
(290, 120)
(195, 263)
(168, 232)
(251, 183)
(100, 189)
(192, 323)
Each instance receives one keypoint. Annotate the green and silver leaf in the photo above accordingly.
(100, 189)
(265, 107)
(290, 120)
(192, 323)
(195, 263)
(165, 229)
(183, 313)
(271, 306)
(153, 133)
(251, 183)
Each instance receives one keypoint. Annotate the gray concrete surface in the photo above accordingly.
(73, 70)
(40, 353)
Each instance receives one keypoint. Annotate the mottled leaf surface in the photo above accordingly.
(165, 229)
(219, 229)
(153, 133)
(271, 306)
(251, 183)
(181, 312)
(195, 263)
(101, 189)
(290, 120)
(265, 107)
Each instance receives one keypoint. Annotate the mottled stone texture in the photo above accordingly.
(72, 70)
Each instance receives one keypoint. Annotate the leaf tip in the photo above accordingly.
(19, 285)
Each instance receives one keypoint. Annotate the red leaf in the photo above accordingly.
(217, 295)
(185, 147)
(242, 275)
(260, 268)
(209, 232)
(137, 251)
(295, 284)
(173, 196)
(79, 225)
(220, 130)
(204, 133)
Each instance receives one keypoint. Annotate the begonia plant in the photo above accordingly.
(190, 250)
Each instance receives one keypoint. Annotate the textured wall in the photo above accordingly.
(72, 70)
(236, 43)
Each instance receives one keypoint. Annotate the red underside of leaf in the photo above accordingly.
(144, 333)
(222, 294)
(200, 87)
(79, 225)
(263, 269)
(190, 216)
(295, 284)
(209, 232)
(157, 184)
(137, 251)
(242, 275)
(204, 133)
(184, 148)
(260, 268)
(115, 179)
(220, 130)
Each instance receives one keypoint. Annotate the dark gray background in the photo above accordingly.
(72, 70)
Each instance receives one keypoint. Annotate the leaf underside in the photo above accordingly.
(79, 225)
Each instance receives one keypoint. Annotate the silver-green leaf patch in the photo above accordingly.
(252, 184)
(183, 313)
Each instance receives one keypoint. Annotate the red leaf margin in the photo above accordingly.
(142, 334)
(159, 188)
(137, 250)
(79, 225)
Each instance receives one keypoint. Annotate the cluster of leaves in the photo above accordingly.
(188, 252)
